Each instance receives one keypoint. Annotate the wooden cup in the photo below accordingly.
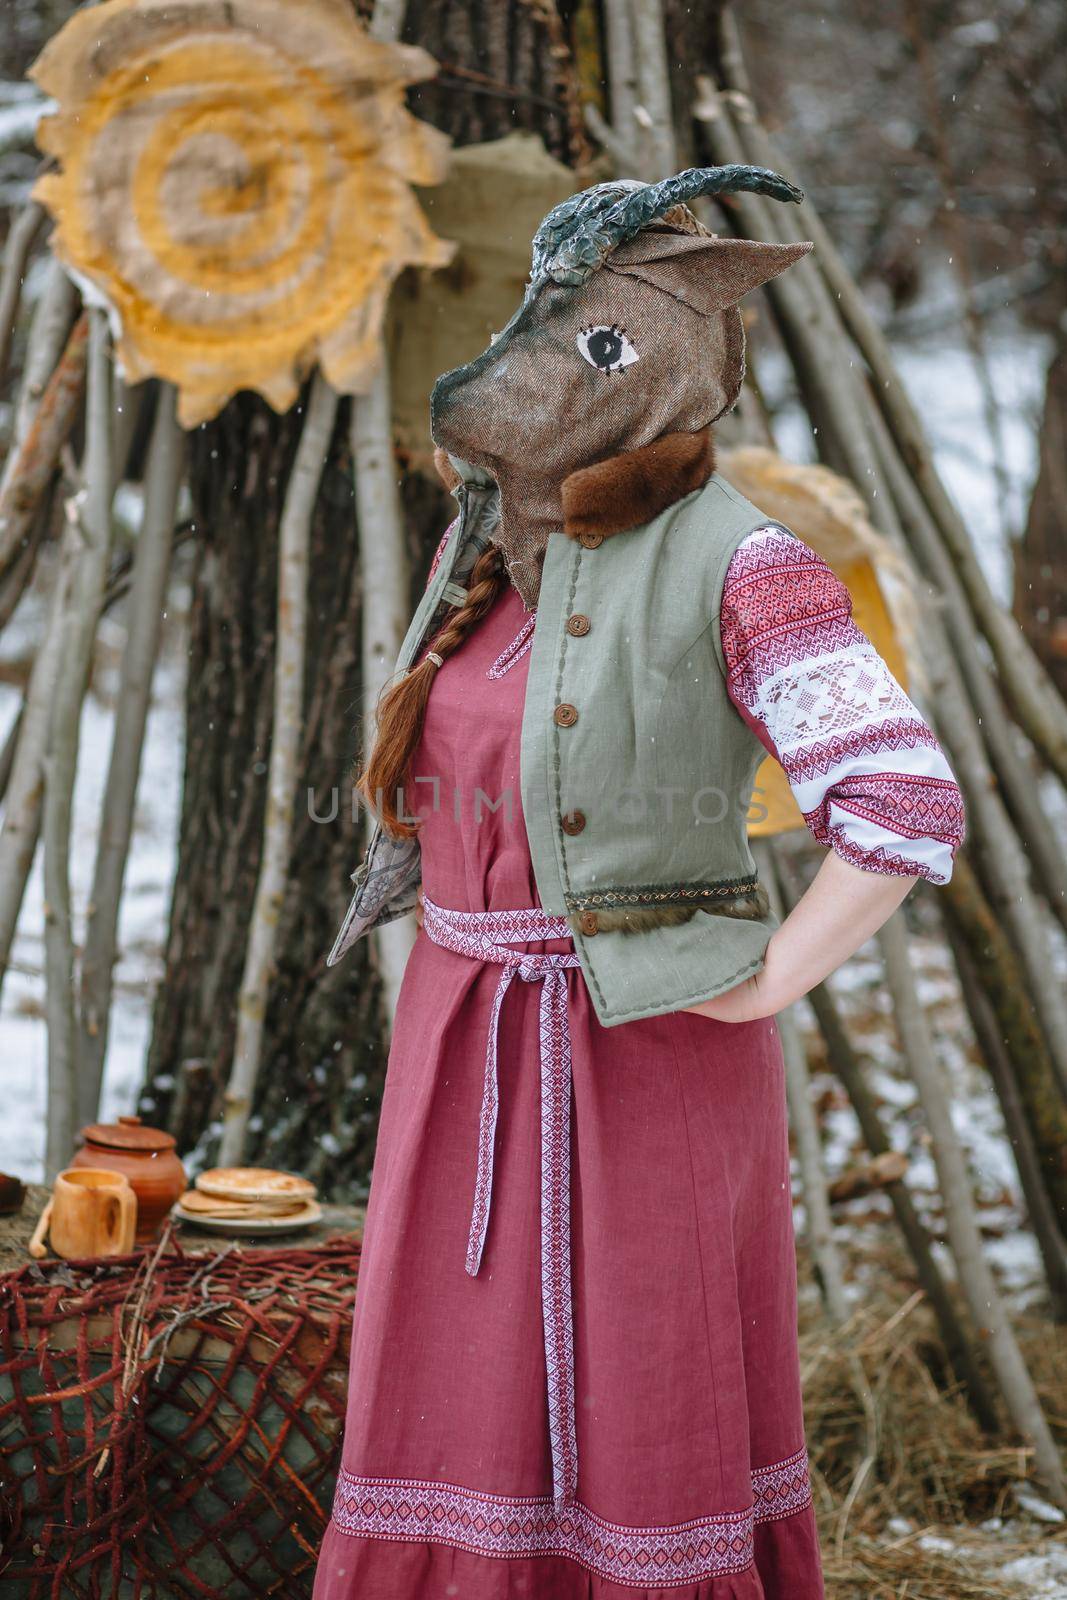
(94, 1213)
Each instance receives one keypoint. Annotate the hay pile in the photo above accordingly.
(892, 1442)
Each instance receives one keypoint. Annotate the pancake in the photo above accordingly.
(206, 1205)
(261, 1184)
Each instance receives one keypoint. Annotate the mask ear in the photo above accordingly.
(706, 273)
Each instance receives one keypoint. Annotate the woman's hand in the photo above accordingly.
(841, 909)
(418, 908)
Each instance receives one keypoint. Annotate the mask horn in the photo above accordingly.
(598, 233)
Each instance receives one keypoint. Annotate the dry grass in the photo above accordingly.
(890, 1436)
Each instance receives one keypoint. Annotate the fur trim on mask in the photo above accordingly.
(445, 470)
(620, 493)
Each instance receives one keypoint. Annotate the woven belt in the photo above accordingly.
(485, 936)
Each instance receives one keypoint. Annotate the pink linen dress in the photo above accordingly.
(691, 1467)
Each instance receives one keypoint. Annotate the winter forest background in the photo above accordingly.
(930, 135)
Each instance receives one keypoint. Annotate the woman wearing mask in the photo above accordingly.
(574, 1364)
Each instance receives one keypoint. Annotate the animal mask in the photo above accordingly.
(629, 330)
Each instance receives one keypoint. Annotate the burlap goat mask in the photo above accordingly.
(629, 331)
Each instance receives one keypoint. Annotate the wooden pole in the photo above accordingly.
(384, 565)
(32, 465)
(994, 725)
(1052, 1243)
(50, 325)
(21, 238)
(88, 542)
(386, 575)
(290, 651)
(958, 1340)
(25, 788)
(978, 930)
(660, 156)
(151, 566)
(976, 1278)
(622, 78)
(820, 1226)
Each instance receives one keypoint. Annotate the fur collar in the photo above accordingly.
(626, 490)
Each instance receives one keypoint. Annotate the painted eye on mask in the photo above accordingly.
(606, 348)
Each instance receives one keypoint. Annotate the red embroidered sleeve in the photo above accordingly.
(865, 767)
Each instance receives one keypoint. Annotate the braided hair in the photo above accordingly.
(401, 706)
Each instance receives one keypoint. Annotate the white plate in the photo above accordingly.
(311, 1213)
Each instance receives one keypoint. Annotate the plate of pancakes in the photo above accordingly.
(249, 1200)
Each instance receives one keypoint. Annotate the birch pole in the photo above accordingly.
(386, 601)
(31, 465)
(20, 241)
(976, 1278)
(49, 326)
(654, 82)
(24, 753)
(88, 537)
(959, 1345)
(383, 563)
(290, 650)
(1039, 1204)
(25, 789)
(820, 1227)
(622, 73)
(151, 566)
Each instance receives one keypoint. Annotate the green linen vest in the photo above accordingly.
(636, 770)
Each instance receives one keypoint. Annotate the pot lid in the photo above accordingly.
(128, 1133)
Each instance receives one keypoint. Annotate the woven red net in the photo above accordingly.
(170, 1423)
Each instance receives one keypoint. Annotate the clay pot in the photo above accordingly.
(94, 1213)
(146, 1156)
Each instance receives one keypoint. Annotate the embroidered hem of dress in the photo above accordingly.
(510, 1528)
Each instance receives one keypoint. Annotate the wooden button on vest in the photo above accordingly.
(578, 624)
(590, 540)
(566, 716)
(588, 922)
(573, 822)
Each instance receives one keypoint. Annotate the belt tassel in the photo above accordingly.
(485, 936)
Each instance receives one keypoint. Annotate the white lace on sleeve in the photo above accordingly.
(866, 770)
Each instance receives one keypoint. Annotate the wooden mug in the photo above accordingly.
(94, 1213)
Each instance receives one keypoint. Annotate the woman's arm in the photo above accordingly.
(842, 908)
(865, 768)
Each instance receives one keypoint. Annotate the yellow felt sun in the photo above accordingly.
(234, 181)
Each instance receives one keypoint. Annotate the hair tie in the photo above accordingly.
(438, 661)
